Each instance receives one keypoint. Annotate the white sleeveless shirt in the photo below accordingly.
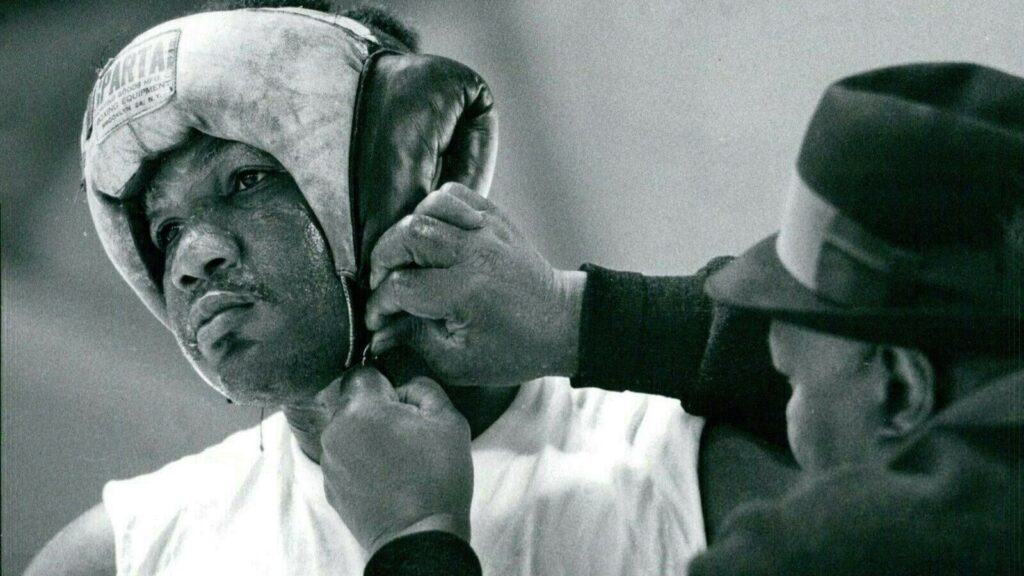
(567, 481)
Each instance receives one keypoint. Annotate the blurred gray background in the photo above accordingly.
(639, 134)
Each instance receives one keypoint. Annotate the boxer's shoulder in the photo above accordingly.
(207, 477)
(85, 547)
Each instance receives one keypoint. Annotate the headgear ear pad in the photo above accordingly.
(421, 120)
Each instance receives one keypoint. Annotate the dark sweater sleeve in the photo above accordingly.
(663, 335)
(425, 554)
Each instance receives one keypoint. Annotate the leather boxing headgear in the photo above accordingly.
(365, 131)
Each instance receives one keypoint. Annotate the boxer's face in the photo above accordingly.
(251, 293)
(832, 417)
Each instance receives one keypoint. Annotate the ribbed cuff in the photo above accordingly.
(644, 334)
(610, 330)
(432, 553)
(664, 336)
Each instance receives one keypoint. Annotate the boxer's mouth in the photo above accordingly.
(216, 314)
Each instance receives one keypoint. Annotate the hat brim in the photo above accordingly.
(759, 282)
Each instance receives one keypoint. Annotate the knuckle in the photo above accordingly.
(460, 189)
(400, 281)
(450, 191)
(342, 408)
(427, 385)
(435, 200)
(449, 187)
(486, 206)
(362, 374)
(406, 221)
(420, 227)
(503, 227)
(405, 225)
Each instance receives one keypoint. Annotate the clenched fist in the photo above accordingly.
(395, 462)
(457, 282)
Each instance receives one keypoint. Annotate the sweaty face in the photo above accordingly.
(251, 293)
(832, 416)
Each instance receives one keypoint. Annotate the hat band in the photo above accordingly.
(841, 261)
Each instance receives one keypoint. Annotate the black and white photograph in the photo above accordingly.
(519, 287)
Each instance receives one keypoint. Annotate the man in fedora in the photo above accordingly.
(895, 292)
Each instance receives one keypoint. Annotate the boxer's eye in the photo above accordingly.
(166, 233)
(249, 178)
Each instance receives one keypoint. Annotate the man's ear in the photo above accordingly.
(909, 391)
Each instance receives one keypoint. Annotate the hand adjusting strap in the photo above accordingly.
(421, 121)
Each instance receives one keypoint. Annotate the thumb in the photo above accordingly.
(425, 394)
(361, 383)
(401, 330)
(423, 336)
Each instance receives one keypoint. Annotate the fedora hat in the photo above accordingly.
(894, 225)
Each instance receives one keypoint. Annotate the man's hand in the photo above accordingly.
(395, 462)
(458, 283)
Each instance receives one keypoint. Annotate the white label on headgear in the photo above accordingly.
(140, 80)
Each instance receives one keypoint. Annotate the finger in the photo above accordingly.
(428, 338)
(416, 239)
(426, 293)
(365, 384)
(328, 399)
(450, 209)
(425, 394)
(467, 195)
(399, 329)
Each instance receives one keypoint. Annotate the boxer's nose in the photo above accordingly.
(202, 251)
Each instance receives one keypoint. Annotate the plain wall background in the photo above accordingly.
(640, 134)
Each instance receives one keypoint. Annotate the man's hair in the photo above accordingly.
(390, 30)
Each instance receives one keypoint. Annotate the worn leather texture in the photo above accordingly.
(284, 81)
(421, 121)
(365, 132)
